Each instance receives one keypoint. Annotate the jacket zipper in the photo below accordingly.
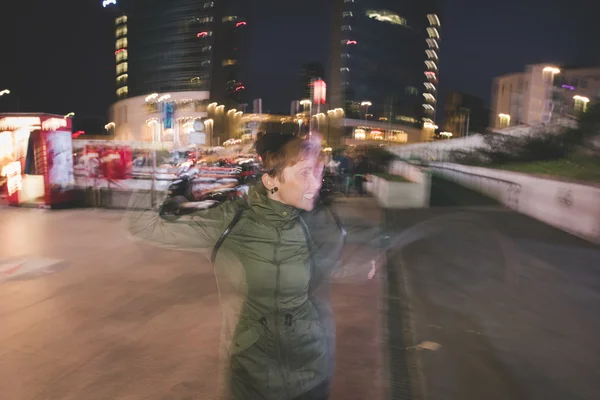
(276, 302)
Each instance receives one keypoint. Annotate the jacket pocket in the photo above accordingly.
(243, 341)
(308, 347)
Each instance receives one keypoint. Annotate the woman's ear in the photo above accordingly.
(269, 181)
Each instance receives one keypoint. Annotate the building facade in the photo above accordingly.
(172, 59)
(464, 114)
(542, 94)
(385, 60)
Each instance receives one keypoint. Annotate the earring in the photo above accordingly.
(275, 189)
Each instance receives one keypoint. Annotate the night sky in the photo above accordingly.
(57, 56)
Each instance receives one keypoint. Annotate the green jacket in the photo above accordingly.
(272, 272)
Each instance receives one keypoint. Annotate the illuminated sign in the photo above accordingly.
(12, 172)
(106, 3)
(10, 123)
(53, 124)
(320, 91)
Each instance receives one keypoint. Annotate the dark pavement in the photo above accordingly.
(495, 305)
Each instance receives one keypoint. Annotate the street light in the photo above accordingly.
(70, 115)
(5, 91)
(367, 104)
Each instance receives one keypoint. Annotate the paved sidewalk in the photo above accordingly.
(87, 314)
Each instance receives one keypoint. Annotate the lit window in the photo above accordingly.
(432, 43)
(346, 28)
(121, 55)
(431, 65)
(122, 68)
(429, 97)
(430, 75)
(347, 14)
(431, 54)
(433, 20)
(433, 33)
(204, 34)
(228, 62)
(345, 69)
(411, 90)
(386, 16)
(121, 31)
(230, 18)
(121, 20)
(206, 48)
(123, 91)
(429, 86)
(205, 20)
(428, 107)
(122, 79)
(121, 43)
(349, 42)
(210, 4)
(345, 55)
(205, 63)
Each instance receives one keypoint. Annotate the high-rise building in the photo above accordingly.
(310, 72)
(385, 60)
(174, 58)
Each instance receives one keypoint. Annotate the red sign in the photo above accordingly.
(319, 91)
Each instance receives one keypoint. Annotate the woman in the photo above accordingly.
(275, 251)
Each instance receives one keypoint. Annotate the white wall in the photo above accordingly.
(568, 206)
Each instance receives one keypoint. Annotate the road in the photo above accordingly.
(496, 305)
(86, 314)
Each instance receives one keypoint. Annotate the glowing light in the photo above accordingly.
(429, 85)
(305, 102)
(14, 179)
(109, 125)
(53, 124)
(386, 16)
(432, 43)
(106, 3)
(568, 87)
(151, 121)
(6, 145)
(349, 42)
(240, 88)
(70, 115)
(238, 113)
(428, 106)
(429, 96)
(431, 64)
(202, 34)
(164, 97)
(366, 103)
(120, 51)
(553, 70)
(430, 75)
(446, 134)
(319, 91)
(10, 123)
(433, 20)
(77, 134)
(433, 33)
(429, 125)
(151, 96)
(431, 54)
(5, 91)
(240, 24)
(504, 119)
(581, 98)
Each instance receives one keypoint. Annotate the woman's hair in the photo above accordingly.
(291, 151)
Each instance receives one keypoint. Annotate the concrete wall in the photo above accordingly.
(568, 206)
(413, 194)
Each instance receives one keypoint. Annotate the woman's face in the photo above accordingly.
(300, 184)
